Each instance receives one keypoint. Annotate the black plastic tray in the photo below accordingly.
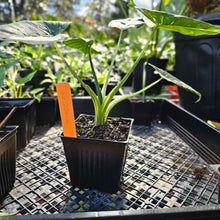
(158, 180)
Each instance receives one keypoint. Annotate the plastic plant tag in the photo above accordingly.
(66, 109)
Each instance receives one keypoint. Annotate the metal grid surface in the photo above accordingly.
(158, 174)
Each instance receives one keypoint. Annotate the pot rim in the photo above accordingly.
(102, 140)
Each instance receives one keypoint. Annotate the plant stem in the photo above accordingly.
(111, 65)
(68, 66)
(144, 80)
(14, 91)
(98, 90)
(20, 91)
(111, 95)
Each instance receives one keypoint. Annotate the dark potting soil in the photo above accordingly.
(115, 129)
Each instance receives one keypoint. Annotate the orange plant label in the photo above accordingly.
(66, 109)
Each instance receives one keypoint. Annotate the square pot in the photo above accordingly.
(95, 163)
(7, 159)
(143, 112)
(47, 110)
(24, 116)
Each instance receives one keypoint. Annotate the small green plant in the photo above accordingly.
(52, 79)
(13, 85)
(78, 64)
(34, 57)
(49, 32)
(61, 75)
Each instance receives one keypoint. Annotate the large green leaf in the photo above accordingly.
(167, 76)
(80, 44)
(177, 23)
(34, 32)
(124, 24)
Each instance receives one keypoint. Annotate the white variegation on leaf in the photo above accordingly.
(148, 22)
(167, 76)
(124, 24)
(34, 32)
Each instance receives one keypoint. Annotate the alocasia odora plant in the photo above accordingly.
(43, 32)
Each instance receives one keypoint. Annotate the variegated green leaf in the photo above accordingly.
(177, 23)
(34, 32)
(124, 24)
(167, 76)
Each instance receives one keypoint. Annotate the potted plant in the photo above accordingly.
(7, 141)
(12, 94)
(34, 58)
(104, 103)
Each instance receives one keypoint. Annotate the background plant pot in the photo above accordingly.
(47, 110)
(24, 116)
(143, 112)
(94, 163)
(7, 159)
(150, 76)
(197, 64)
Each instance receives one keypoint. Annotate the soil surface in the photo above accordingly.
(115, 129)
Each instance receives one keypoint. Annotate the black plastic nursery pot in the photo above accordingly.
(142, 112)
(137, 82)
(7, 159)
(47, 110)
(95, 163)
(197, 64)
(24, 116)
